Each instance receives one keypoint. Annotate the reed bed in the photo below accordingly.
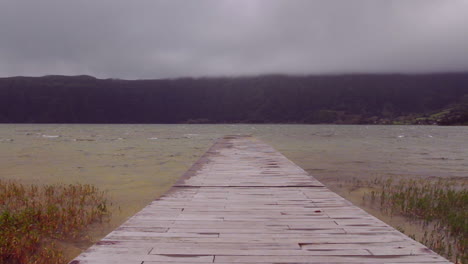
(440, 206)
(33, 219)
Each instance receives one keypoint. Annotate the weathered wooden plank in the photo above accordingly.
(243, 202)
(328, 259)
(249, 231)
(111, 257)
(196, 245)
(262, 252)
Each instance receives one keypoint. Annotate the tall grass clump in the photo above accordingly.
(441, 206)
(34, 218)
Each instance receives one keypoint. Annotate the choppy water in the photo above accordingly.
(137, 163)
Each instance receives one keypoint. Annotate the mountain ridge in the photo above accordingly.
(440, 98)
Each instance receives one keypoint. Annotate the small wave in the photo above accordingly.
(7, 140)
(50, 136)
(323, 134)
(439, 158)
(401, 136)
(116, 139)
(83, 139)
(28, 130)
(152, 138)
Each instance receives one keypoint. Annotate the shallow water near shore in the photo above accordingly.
(136, 164)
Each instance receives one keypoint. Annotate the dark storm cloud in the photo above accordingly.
(157, 39)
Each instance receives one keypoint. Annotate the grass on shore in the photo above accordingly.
(440, 206)
(34, 218)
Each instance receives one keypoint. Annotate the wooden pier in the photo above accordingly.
(244, 202)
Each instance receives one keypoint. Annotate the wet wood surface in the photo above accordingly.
(244, 202)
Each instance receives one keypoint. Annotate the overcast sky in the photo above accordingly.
(137, 39)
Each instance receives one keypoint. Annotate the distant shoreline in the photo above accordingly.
(305, 124)
(383, 99)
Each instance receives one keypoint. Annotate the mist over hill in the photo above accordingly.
(336, 99)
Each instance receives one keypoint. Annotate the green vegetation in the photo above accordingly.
(425, 99)
(33, 219)
(441, 206)
(455, 114)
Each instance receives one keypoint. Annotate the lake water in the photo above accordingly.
(138, 163)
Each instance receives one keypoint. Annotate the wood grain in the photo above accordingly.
(244, 202)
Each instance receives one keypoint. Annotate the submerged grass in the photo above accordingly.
(440, 206)
(34, 218)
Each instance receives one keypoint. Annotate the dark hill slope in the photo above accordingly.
(262, 99)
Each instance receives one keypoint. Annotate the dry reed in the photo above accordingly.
(440, 206)
(34, 218)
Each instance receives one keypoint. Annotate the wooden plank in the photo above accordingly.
(243, 202)
(328, 259)
(262, 252)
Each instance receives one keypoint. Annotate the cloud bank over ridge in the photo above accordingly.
(174, 38)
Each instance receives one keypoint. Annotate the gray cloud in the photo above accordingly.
(172, 38)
